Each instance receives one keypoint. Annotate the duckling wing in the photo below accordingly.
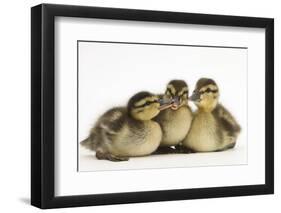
(113, 121)
(226, 120)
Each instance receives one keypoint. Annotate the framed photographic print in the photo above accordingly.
(140, 106)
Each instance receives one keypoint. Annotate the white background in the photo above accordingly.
(69, 182)
(15, 106)
(138, 67)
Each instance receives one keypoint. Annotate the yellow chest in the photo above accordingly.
(175, 126)
(203, 133)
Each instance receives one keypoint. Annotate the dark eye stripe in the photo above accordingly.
(146, 104)
(185, 92)
(209, 90)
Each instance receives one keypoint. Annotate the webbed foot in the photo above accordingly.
(183, 149)
(110, 157)
(229, 146)
(164, 150)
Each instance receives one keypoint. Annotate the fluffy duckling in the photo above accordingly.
(176, 120)
(124, 132)
(213, 128)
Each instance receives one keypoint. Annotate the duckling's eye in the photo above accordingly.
(183, 94)
(208, 90)
(211, 90)
(147, 103)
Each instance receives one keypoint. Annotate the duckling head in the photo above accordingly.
(206, 94)
(177, 94)
(144, 106)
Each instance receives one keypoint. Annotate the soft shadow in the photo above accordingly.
(25, 200)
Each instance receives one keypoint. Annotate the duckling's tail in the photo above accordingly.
(89, 143)
(85, 142)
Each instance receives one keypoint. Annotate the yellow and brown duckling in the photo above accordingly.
(175, 121)
(124, 132)
(213, 127)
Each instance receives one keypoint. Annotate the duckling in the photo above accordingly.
(124, 132)
(213, 127)
(176, 120)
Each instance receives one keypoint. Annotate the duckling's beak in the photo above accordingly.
(175, 103)
(195, 96)
(164, 104)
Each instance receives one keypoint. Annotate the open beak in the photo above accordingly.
(175, 103)
(165, 106)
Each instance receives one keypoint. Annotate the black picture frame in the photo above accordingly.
(43, 102)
